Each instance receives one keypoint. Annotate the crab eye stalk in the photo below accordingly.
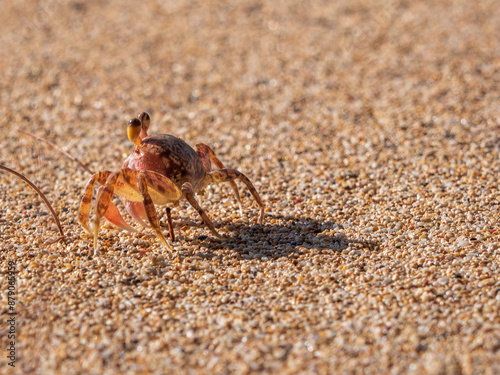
(145, 120)
(133, 130)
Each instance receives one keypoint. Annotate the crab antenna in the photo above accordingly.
(145, 120)
(134, 130)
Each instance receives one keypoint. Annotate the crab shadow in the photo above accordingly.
(287, 235)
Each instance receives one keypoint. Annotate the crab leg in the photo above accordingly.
(138, 212)
(103, 200)
(207, 156)
(227, 174)
(170, 225)
(112, 214)
(150, 208)
(86, 202)
(187, 190)
(134, 186)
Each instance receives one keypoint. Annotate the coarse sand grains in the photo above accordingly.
(371, 131)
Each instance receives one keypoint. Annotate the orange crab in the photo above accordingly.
(161, 170)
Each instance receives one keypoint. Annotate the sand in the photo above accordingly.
(370, 131)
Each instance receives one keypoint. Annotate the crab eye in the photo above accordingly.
(134, 129)
(145, 120)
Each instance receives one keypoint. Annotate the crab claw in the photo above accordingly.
(113, 216)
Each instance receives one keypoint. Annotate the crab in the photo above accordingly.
(161, 170)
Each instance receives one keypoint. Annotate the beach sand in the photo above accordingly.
(370, 130)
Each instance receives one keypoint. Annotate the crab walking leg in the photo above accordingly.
(187, 189)
(150, 208)
(86, 202)
(103, 200)
(169, 223)
(207, 156)
(227, 174)
(132, 185)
